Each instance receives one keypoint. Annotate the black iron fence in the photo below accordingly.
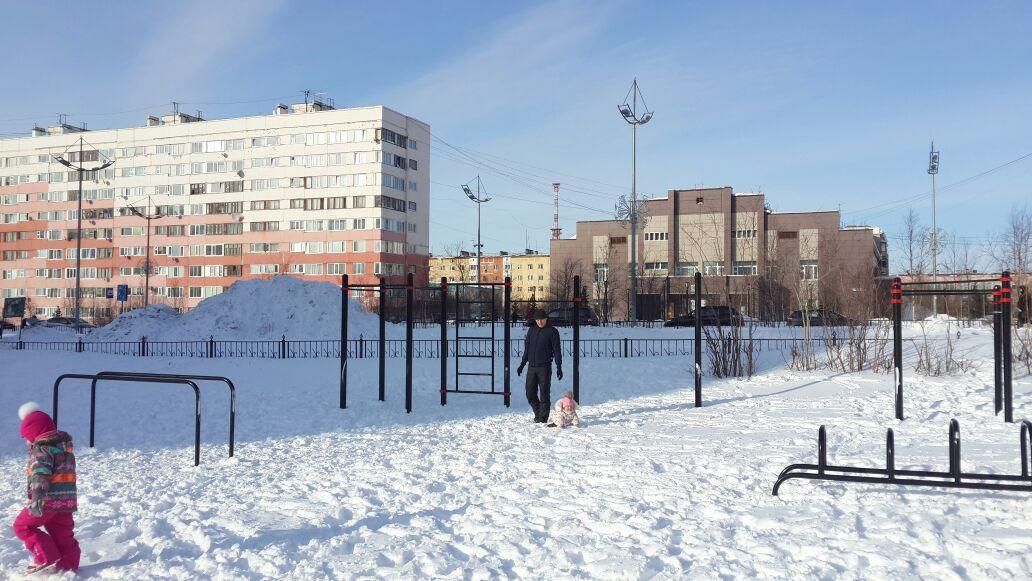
(364, 348)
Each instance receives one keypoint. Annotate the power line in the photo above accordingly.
(888, 207)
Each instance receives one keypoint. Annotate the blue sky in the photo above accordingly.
(819, 105)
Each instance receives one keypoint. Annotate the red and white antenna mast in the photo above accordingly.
(556, 230)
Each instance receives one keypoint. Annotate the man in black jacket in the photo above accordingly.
(539, 348)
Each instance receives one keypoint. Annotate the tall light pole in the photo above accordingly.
(933, 169)
(478, 199)
(147, 261)
(629, 111)
(78, 228)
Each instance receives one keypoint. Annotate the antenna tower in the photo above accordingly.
(556, 230)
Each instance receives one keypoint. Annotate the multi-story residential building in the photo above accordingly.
(309, 190)
(529, 271)
(763, 262)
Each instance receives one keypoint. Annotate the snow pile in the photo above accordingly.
(248, 310)
(149, 322)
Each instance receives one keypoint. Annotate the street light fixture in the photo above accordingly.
(78, 228)
(478, 199)
(147, 261)
(629, 111)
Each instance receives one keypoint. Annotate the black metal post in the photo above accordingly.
(897, 342)
(698, 339)
(345, 291)
(997, 346)
(954, 450)
(410, 286)
(576, 337)
(507, 340)
(93, 410)
(890, 454)
(444, 340)
(1005, 323)
(822, 450)
(383, 339)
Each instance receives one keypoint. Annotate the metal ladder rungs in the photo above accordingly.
(474, 373)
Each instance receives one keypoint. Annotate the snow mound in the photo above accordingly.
(248, 310)
(150, 322)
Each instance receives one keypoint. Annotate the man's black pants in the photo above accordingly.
(539, 392)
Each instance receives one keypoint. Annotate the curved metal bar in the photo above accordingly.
(226, 380)
(197, 399)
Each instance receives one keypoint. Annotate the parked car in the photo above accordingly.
(69, 322)
(819, 318)
(718, 315)
(564, 317)
(5, 326)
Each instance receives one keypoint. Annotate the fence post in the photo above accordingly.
(383, 339)
(143, 346)
(211, 346)
(78, 345)
(507, 339)
(1005, 323)
(997, 346)
(410, 286)
(576, 337)
(344, 292)
(283, 347)
(698, 339)
(626, 344)
(444, 340)
(897, 342)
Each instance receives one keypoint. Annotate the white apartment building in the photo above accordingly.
(308, 190)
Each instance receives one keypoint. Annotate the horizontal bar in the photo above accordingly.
(475, 356)
(944, 293)
(475, 373)
(477, 284)
(915, 283)
(910, 482)
(475, 392)
(916, 473)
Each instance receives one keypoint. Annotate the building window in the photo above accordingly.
(743, 268)
(686, 269)
(655, 266)
(743, 234)
(713, 268)
(655, 236)
(808, 269)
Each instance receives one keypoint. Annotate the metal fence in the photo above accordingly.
(367, 348)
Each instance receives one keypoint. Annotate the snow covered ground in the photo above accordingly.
(648, 488)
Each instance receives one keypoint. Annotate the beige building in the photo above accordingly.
(308, 190)
(531, 276)
(762, 262)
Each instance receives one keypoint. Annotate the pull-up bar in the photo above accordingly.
(1003, 388)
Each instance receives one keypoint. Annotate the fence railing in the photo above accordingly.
(394, 348)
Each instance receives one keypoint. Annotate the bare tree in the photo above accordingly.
(914, 243)
(1012, 248)
(561, 284)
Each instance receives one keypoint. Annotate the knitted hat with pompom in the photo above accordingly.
(34, 421)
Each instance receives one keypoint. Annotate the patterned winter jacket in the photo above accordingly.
(563, 418)
(52, 474)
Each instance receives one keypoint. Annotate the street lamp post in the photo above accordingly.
(933, 169)
(629, 111)
(477, 199)
(147, 261)
(78, 228)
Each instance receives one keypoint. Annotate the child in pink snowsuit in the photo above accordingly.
(51, 494)
(565, 413)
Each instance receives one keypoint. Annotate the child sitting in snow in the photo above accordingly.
(51, 492)
(565, 413)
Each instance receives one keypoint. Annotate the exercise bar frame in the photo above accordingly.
(1003, 395)
(506, 285)
(382, 288)
(187, 382)
(953, 478)
(196, 378)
